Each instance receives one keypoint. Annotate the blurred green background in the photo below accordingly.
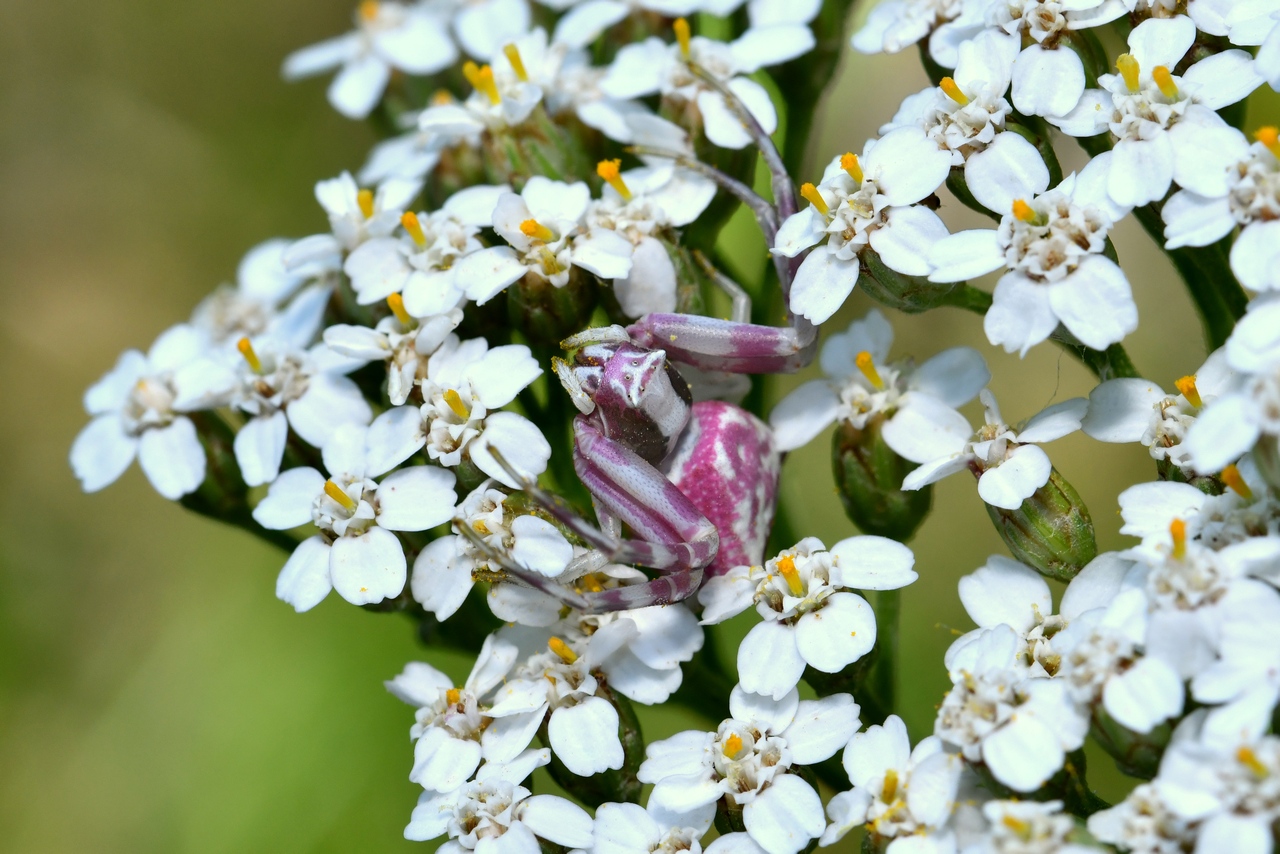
(154, 695)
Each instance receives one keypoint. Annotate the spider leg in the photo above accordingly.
(741, 299)
(725, 345)
(533, 579)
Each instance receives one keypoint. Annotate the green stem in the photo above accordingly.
(880, 689)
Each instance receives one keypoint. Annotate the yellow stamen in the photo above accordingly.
(681, 26)
(1270, 137)
(787, 566)
(1023, 211)
(364, 199)
(1246, 757)
(868, 367)
(1127, 65)
(368, 10)
(889, 793)
(335, 492)
(1178, 530)
(732, 746)
(480, 528)
(590, 583)
(1231, 477)
(409, 220)
(452, 696)
(1017, 825)
(517, 64)
(396, 303)
(849, 163)
(813, 197)
(1187, 385)
(550, 264)
(952, 91)
(561, 649)
(441, 98)
(454, 402)
(1164, 80)
(610, 171)
(481, 79)
(536, 230)
(246, 349)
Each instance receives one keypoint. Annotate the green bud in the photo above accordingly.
(547, 314)
(1136, 754)
(912, 294)
(612, 786)
(1051, 531)
(538, 146)
(1207, 484)
(869, 477)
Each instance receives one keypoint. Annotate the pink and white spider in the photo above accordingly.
(696, 483)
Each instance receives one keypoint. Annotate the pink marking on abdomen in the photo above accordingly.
(727, 464)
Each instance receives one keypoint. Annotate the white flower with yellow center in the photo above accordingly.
(631, 829)
(898, 793)
(355, 551)
(894, 25)
(866, 201)
(810, 614)
(1165, 127)
(747, 761)
(1231, 794)
(355, 215)
(862, 385)
(1026, 827)
(388, 36)
(1143, 822)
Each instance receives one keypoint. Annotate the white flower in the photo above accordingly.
(898, 793)
(1021, 728)
(1053, 248)
(1165, 126)
(1129, 409)
(1015, 827)
(653, 66)
(496, 812)
(894, 25)
(631, 829)
(399, 340)
(747, 762)
(643, 205)
(1144, 824)
(355, 215)
(862, 385)
(547, 237)
(1250, 198)
(355, 551)
(265, 301)
(454, 729)
(281, 388)
(860, 202)
(1232, 795)
(388, 35)
(420, 263)
(1009, 465)
(464, 382)
(1238, 418)
(137, 410)
(810, 615)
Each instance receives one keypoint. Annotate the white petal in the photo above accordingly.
(442, 763)
(954, 376)
(934, 471)
(1205, 149)
(651, 284)
(1020, 315)
(320, 57)
(625, 828)
(416, 498)
(1008, 169)
(557, 820)
(987, 58)
(518, 439)
(927, 429)
(358, 342)
(358, 87)
(768, 661)
(1089, 117)
(101, 452)
(1141, 170)
(419, 45)
(603, 252)
(1054, 422)
(1161, 41)
(1007, 485)
(540, 546)
(1254, 345)
(785, 816)
(505, 737)
(304, 581)
(822, 284)
(821, 727)
(878, 749)
(904, 241)
(838, 634)
(329, 402)
(585, 737)
(1023, 754)
(172, 458)
(1224, 78)
(873, 563)
(393, 437)
(1255, 256)
(1222, 433)
(803, 414)
(1047, 82)
(486, 273)
(907, 165)
(502, 373)
(1146, 694)
(259, 448)
(583, 23)
(800, 231)
(1120, 410)
(368, 568)
(768, 713)
(288, 501)
(965, 255)
(1005, 591)
(1193, 220)
(441, 579)
(763, 46)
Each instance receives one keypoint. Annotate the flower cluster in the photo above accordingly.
(382, 400)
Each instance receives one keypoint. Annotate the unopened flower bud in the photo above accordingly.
(912, 294)
(1136, 754)
(547, 314)
(1051, 532)
(620, 786)
(869, 477)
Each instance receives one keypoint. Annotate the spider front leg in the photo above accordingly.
(711, 344)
